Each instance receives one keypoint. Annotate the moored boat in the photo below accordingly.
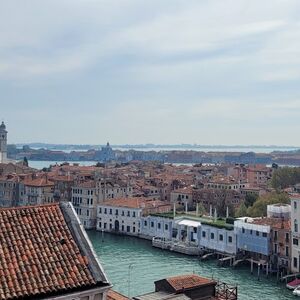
(293, 284)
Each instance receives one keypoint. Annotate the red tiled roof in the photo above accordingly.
(38, 182)
(179, 283)
(38, 254)
(275, 223)
(113, 295)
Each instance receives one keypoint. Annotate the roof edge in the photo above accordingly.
(83, 241)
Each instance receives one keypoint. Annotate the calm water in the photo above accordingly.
(118, 253)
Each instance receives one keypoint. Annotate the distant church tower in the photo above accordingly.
(3, 143)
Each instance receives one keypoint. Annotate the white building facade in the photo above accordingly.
(295, 234)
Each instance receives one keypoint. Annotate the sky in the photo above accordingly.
(165, 72)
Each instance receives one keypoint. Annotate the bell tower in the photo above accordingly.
(3, 143)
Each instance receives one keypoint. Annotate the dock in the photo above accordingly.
(226, 260)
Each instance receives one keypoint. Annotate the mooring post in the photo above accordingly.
(258, 271)
(251, 266)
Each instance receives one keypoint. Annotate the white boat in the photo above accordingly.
(296, 291)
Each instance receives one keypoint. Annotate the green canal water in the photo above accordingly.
(128, 259)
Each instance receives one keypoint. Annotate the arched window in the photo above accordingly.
(295, 225)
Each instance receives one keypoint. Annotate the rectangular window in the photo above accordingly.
(295, 262)
(243, 230)
(145, 223)
(221, 237)
(230, 239)
(128, 228)
(287, 237)
(133, 229)
(203, 234)
(166, 226)
(87, 213)
(295, 242)
(158, 225)
(100, 225)
(117, 212)
(100, 210)
(257, 233)
(128, 213)
(123, 213)
(275, 248)
(264, 234)
(105, 210)
(275, 235)
(110, 211)
(212, 236)
(152, 224)
(295, 204)
(286, 251)
(104, 225)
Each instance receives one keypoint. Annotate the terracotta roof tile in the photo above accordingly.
(179, 283)
(38, 254)
(113, 295)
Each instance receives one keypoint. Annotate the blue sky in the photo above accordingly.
(165, 72)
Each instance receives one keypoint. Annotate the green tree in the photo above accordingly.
(285, 177)
(241, 211)
(201, 209)
(25, 161)
(250, 199)
(259, 208)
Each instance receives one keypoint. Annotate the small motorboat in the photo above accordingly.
(293, 284)
(296, 291)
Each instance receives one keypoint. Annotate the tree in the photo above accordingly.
(25, 161)
(250, 199)
(259, 208)
(241, 211)
(201, 209)
(285, 177)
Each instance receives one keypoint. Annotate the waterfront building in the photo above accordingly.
(253, 239)
(186, 231)
(84, 200)
(3, 143)
(156, 226)
(124, 215)
(218, 239)
(295, 232)
(46, 254)
(88, 193)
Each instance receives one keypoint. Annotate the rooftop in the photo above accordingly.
(40, 253)
(184, 282)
